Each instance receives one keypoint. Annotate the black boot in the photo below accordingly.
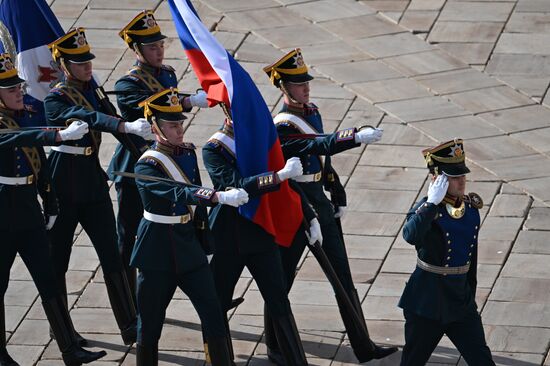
(5, 358)
(365, 350)
(62, 288)
(62, 327)
(147, 356)
(218, 350)
(289, 341)
(123, 306)
(273, 352)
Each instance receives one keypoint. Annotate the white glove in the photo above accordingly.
(438, 189)
(339, 213)
(293, 168)
(51, 221)
(234, 197)
(139, 127)
(314, 233)
(368, 135)
(75, 131)
(199, 99)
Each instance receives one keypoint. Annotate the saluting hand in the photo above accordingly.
(438, 189)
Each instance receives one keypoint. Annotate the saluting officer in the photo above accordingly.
(172, 246)
(241, 243)
(439, 297)
(79, 179)
(24, 174)
(148, 76)
(300, 119)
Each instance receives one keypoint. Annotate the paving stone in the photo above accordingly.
(465, 127)
(68, 10)
(397, 178)
(389, 90)
(32, 332)
(105, 19)
(257, 50)
(421, 109)
(538, 219)
(490, 99)
(137, 5)
(25, 355)
(327, 89)
(508, 188)
(457, 81)
(318, 318)
(513, 359)
(510, 205)
(493, 251)
(22, 293)
(382, 308)
(361, 27)
(332, 108)
(487, 275)
(94, 296)
(526, 64)
(380, 200)
(519, 168)
(83, 258)
(479, 174)
(528, 23)
(13, 316)
(516, 314)
(500, 228)
(400, 261)
(365, 223)
(424, 63)
(518, 119)
(368, 116)
(494, 148)
(267, 18)
(537, 187)
(392, 16)
(426, 5)
(345, 357)
(388, 284)
(392, 45)
(330, 53)
(520, 43)
(533, 85)
(239, 5)
(527, 266)
(324, 10)
(477, 32)
(401, 134)
(470, 53)
(476, 12)
(357, 72)
(297, 35)
(367, 247)
(419, 21)
(94, 320)
(388, 7)
(528, 290)
(397, 156)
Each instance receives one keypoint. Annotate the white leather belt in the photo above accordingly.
(74, 150)
(308, 178)
(16, 181)
(161, 219)
(442, 270)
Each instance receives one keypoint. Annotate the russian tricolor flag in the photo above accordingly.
(28, 26)
(257, 145)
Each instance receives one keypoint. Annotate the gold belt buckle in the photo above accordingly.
(317, 176)
(30, 179)
(88, 151)
(184, 219)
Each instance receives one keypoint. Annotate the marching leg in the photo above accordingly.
(5, 358)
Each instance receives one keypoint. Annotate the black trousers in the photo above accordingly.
(422, 336)
(98, 220)
(32, 246)
(266, 269)
(130, 212)
(155, 290)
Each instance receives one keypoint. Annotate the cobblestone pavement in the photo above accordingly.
(481, 75)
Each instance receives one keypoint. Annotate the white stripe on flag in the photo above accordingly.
(27, 63)
(208, 44)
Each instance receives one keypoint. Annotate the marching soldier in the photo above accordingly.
(24, 174)
(146, 77)
(172, 246)
(299, 119)
(240, 242)
(79, 179)
(439, 297)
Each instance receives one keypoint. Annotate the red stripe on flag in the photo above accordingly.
(209, 79)
(280, 212)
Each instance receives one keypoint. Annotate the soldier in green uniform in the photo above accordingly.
(439, 297)
(79, 179)
(24, 174)
(147, 76)
(172, 246)
(300, 118)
